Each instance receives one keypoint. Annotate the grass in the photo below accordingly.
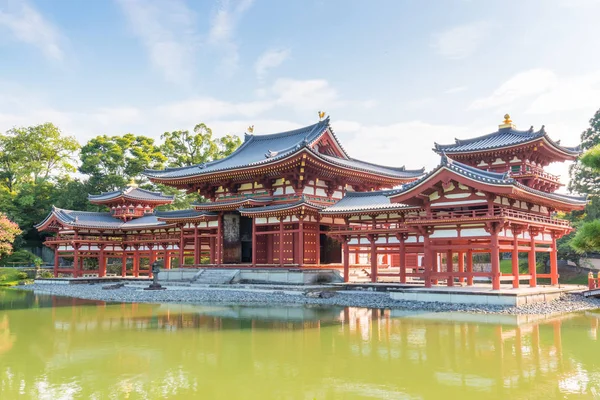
(11, 276)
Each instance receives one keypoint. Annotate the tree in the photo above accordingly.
(8, 232)
(34, 153)
(583, 178)
(113, 161)
(183, 148)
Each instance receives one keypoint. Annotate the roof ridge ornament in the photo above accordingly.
(507, 123)
(321, 115)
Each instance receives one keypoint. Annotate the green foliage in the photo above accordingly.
(184, 149)
(113, 161)
(587, 238)
(583, 178)
(591, 159)
(34, 153)
(11, 276)
(21, 258)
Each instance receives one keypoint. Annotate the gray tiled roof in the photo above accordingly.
(104, 220)
(557, 196)
(263, 149)
(177, 214)
(365, 201)
(277, 207)
(131, 192)
(217, 204)
(399, 172)
(501, 138)
(256, 150)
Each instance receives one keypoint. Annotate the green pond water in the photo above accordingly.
(63, 348)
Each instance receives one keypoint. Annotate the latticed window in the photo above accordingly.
(515, 168)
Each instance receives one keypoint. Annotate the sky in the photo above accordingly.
(394, 75)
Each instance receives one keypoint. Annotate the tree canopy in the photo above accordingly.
(584, 179)
(183, 148)
(34, 153)
(113, 161)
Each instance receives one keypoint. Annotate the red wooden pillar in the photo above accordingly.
(435, 265)
(531, 259)
(211, 244)
(515, 259)
(495, 256)
(373, 240)
(402, 256)
(553, 261)
(196, 246)
(281, 241)
(254, 245)
(75, 261)
(470, 267)
(167, 259)
(428, 259)
(56, 261)
(301, 241)
(449, 269)
(318, 241)
(124, 264)
(461, 265)
(346, 250)
(181, 246)
(101, 263)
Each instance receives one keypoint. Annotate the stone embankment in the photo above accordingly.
(298, 296)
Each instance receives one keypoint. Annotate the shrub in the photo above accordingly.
(21, 258)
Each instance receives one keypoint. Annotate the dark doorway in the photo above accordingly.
(331, 250)
(246, 239)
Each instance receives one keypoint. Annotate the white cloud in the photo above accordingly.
(462, 41)
(456, 89)
(569, 93)
(270, 59)
(168, 31)
(29, 26)
(222, 31)
(302, 95)
(521, 85)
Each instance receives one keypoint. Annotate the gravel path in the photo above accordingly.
(567, 303)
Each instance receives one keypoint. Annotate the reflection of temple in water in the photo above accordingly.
(222, 351)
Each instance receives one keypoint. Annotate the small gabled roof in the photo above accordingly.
(276, 209)
(489, 178)
(256, 150)
(190, 214)
(232, 204)
(130, 193)
(504, 137)
(358, 202)
(396, 172)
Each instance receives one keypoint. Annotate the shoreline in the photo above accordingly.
(280, 297)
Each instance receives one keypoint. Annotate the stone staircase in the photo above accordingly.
(214, 276)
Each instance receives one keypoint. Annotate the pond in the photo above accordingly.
(63, 348)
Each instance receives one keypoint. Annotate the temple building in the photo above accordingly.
(297, 200)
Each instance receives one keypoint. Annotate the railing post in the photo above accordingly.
(591, 281)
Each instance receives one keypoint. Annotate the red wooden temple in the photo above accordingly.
(296, 199)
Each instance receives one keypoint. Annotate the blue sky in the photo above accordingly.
(395, 76)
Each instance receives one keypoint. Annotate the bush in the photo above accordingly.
(21, 275)
(45, 274)
(21, 258)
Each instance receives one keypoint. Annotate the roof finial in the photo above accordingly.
(321, 115)
(507, 123)
(132, 183)
(251, 129)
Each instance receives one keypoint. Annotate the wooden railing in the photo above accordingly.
(441, 216)
(539, 172)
